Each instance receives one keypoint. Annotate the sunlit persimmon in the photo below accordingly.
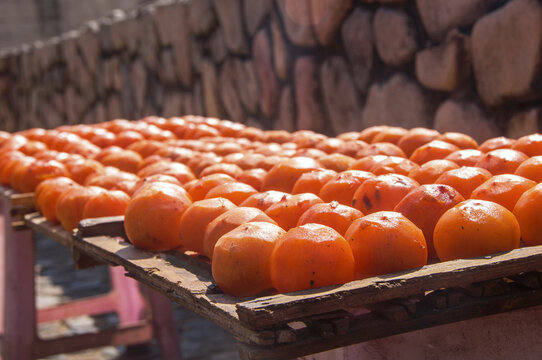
(500, 142)
(226, 222)
(433, 150)
(330, 145)
(425, 205)
(394, 165)
(382, 193)
(159, 229)
(527, 211)
(32, 147)
(287, 212)
(415, 138)
(37, 172)
(252, 177)
(71, 204)
(531, 169)
(462, 141)
(369, 133)
(368, 162)
(385, 242)
(531, 145)
(200, 189)
(475, 228)
(464, 179)
(308, 152)
(222, 168)
(241, 263)
(504, 189)
(235, 191)
(79, 170)
(337, 216)
(342, 187)
(264, 200)
(429, 172)
(47, 194)
(465, 157)
(157, 178)
(145, 147)
(352, 148)
(196, 218)
(107, 203)
(390, 134)
(18, 171)
(337, 162)
(277, 136)
(179, 171)
(127, 138)
(283, 176)
(502, 161)
(120, 180)
(313, 181)
(382, 148)
(310, 256)
(125, 160)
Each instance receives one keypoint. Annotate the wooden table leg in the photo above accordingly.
(130, 303)
(19, 302)
(165, 331)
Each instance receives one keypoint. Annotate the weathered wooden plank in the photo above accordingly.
(185, 285)
(276, 309)
(16, 199)
(36, 222)
(110, 226)
(370, 326)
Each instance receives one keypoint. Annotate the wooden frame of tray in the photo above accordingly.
(282, 326)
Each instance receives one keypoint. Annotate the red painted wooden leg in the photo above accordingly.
(20, 310)
(130, 304)
(165, 331)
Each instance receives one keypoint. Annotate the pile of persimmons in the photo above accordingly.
(280, 211)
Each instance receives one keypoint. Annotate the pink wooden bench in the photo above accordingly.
(142, 316)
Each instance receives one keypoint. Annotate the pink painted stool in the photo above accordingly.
(139, 322)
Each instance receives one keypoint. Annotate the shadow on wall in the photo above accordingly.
(331, 66)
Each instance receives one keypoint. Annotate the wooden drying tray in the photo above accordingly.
(20, 204)
(290, 325)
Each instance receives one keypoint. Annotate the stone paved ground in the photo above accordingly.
(57, 281)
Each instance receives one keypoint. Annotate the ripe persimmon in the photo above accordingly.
(465, 157)
(264, 200)
(222, 168)
(126, 138)
(313, 181)
(429, 172)
(47, 194)
(165, 167)
(236, 192)
(228, 221)
(71, 204)
(311, 256)
(352, 147)
(283, 176)
(370, 132)
(502, 161)
(382, 148)
(287, 212)
(342, 187)
(527, 211)
(195, 219)
(159, 229)
(337, 216)
(382, 192)
(464, 179)
(475, 228)
(415, 138)
(385, 242)
(531, 145)
(531, 169)
(200, 189)
(462, 141)
(504, 189)
(107, 203)
(241, 263)
(252, 177)
(337, 162)
(125, 160)
(495, 143)
(394, 165)
(80, 169)
(425, 205)
(120, 180)
(391, 134)
(433, 150)
(38, 171)
(368, 162)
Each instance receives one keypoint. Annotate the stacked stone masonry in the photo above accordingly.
(327, 65)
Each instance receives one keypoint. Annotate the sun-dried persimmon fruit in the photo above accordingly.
(264, 200)
(415, 138)
(462, 141)
(465, 157)
(235, 191)
(313, 181)
(71, 204)
(107, 203)
(165, 167)
(527, 211)
(475, 228)
(529, 144)
(382, 193)
(337, 216)
(283, 176)
(226, 222)
(390, 134)
(425, 205)
(195, 219)
(382, 148)
(394, 165)
(531, 169)
(502, 161)
(252, 177)
(47, 194)
(464, 179)
(385, 242)
(311, 256)
(433, 150)
(159, 229)
(504, 189)
(241, 263)
(287, 212)
(200, 189)
(429, 172)
(495, 143)
(342, 187)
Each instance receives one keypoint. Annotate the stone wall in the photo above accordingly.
(328, 65)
